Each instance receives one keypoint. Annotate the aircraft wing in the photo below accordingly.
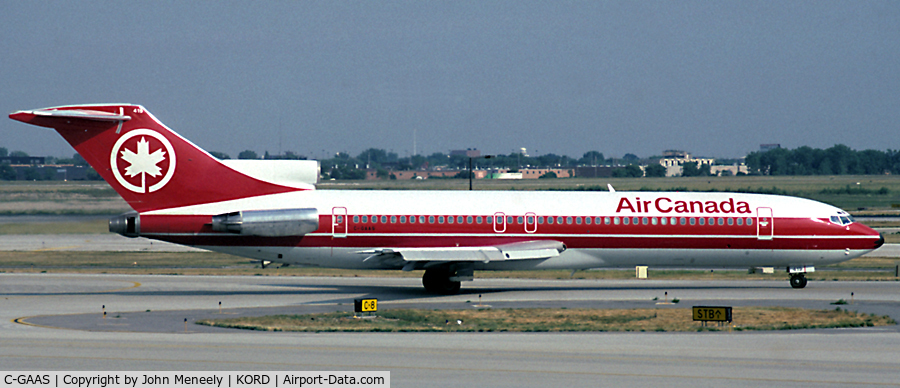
(542, 249)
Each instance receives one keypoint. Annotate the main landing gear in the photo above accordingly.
(437, 281)
(445, 279)
(798, 280)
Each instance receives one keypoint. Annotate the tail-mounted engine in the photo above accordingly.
(268, 223)
(128, 224)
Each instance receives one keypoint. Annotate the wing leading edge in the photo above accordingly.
(525, 250)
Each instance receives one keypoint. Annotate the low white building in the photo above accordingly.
(674, 159)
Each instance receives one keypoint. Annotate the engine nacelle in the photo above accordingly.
(128, 224)
(268, 223)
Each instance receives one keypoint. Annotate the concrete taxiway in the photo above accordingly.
(62, 327)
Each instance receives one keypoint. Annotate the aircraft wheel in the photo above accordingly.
(437, 281)
(798, 281)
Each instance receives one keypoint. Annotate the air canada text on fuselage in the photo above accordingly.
(667, 205)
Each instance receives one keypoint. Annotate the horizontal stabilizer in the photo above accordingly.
(47, 117)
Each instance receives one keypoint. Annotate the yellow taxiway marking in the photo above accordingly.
(56, 248)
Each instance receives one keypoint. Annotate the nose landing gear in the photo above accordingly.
(798, 280)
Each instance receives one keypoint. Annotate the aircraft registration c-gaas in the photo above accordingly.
(269, 210)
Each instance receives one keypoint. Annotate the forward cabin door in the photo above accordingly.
(339, 222)
(765, 223)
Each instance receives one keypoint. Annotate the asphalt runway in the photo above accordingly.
(55, 322)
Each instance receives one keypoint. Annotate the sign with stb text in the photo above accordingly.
(712, 313)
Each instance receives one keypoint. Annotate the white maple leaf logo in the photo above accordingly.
(143, 162)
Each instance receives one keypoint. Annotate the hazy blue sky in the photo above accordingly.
(716, 78)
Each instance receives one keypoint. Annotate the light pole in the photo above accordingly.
(470, 167)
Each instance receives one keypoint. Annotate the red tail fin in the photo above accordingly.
(149, 165)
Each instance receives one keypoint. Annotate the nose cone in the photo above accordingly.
(880, 241)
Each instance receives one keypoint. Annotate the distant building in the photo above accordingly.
(22, 160)
(769, 147)
(675, 154)
(469, 152)
(595, 171)
(673, 160)
(51, 172)
(728, 170)
(535, 173)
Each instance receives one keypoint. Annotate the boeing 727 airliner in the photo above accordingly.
(270, 211)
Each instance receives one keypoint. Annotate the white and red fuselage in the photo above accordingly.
(598, 231)
(181, 194)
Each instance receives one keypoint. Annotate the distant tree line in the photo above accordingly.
(837, 160)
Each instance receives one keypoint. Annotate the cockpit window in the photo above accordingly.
(842, 219)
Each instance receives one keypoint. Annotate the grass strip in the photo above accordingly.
(553, 320)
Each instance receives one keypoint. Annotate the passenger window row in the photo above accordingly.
(554, 220)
